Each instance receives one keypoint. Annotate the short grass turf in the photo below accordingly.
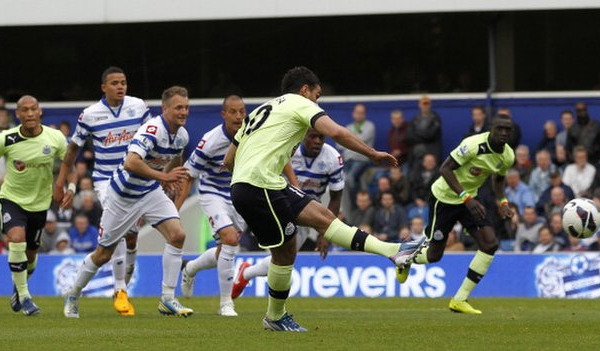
(333, 324)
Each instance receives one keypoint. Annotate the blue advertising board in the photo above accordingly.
(568, 275)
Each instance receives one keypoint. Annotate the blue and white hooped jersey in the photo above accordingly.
(111, 132)
(315, 174)
(206, 163)
(157, 147)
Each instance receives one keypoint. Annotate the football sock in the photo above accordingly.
(17, 262)
(207, 260)
(355, 239)
(31, 266)
(225, 271)
(129, 264)
(118, 265)
(86, 272)
(259, 269)
(171, 262)
(477, 269)
(279, 279)
(421, 258)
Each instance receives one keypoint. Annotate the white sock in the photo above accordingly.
(130, 264)
(225, 270)
(207, 260)
(85, 273)
(118, 265)
(259, 269)
(171, 262)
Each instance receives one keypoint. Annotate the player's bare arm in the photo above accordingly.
(498, 186)
(288, 171)
(342, 136)
(447, 171)
(184, 189)
(230, 157)
(135, 164)
(66, 173)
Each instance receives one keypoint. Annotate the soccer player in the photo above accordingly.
(261, 147)
(153, 157)
(30, 150)
(454, 198)
(317, 166)
(111, 123)
(206, 165)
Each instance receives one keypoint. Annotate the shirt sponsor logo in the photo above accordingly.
(201, 144)
(151, 130)
(123, 137)
(476, 171)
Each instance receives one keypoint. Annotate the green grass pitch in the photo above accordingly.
(333, 324)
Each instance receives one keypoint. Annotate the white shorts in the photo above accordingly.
(221, 214)
(303, 233)
(121, 213)
(101, 189)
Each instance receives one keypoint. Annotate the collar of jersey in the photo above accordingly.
(225, 132)
(171, 136)
(116, 115)
(307, 159)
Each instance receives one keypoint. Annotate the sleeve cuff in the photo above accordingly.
(314, 118)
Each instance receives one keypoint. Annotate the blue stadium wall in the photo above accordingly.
(529, 112)
(350, 275)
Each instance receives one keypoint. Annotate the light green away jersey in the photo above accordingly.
(29, 162)
(268, 138)
(477, 162)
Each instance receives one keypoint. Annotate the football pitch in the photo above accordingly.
(333, 324)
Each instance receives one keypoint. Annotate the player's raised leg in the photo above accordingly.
(173, 232)
(247, 272)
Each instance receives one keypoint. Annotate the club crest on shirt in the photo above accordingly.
(46, 150)
(476, 171)
(130, 112)
(321, 166)
(290, 228)
(463, 150)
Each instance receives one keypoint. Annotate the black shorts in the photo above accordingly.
(443, 217)
(15, 216)
(270, 214)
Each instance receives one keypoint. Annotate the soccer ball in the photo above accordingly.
(580, 218)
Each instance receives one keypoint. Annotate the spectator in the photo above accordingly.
(62, 246)
(540, 176)
(566, 120)
(417, 228)
(562, 160)
(82, 169)
(6, 119)
(90, 207)
(397, 138)
(580, 175)
(364, 214)
(548, 141)
(425, 133)
(400, 186)
(354, 163)
(65, 128)
(515, 136)
(560, 236)
(384, 185)
(546, 197)
(453, 242)
(404, 234)
(558, 200)
(85, 183)
(575, 245)
(586, 133)
(545, 242)
(422, 177)
(50, 233)
(518, 192)
(64, 218)
(84, 237)
(527, 231)
(595, 246)
(480, 123)
(389, 217)
(523, 162)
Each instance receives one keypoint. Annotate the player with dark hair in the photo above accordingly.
(454, 198)
(272, 208)
(30, 150)
(111, 123)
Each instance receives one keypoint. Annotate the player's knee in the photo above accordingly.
(324, 220)
(131, 240)
(229, 240)
(177, 237)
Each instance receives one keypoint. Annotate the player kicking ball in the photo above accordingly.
(153, 157)
(317, 166)
(272, 208)
(454, 199)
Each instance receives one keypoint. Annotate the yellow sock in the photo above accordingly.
(352, 238)
(17, 262)
(279, 279)
(477, 269)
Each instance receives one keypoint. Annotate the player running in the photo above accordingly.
(206, 165)
(317, 166)
(135, 191)
(454, 199)
(262, 146)
(30, 150)
(111, 123)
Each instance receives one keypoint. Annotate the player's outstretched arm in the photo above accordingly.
(66, 173)
(447, 171)
(342, 136)
(230, 157)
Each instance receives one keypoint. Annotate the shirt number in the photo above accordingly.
(258, 120)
